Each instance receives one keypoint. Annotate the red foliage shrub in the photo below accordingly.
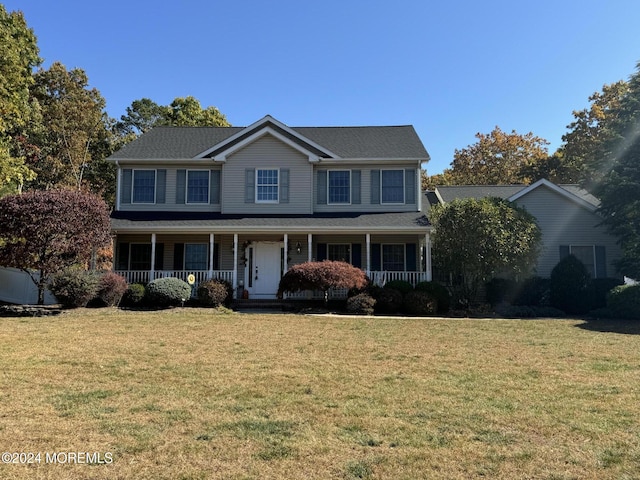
(321, 276)
(111, 288)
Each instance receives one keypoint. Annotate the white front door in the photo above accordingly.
(264, 269)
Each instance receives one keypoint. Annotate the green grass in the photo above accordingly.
(192, 394)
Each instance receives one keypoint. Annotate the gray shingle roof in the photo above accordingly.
(365, 222)
(395, 142)
(451, 192)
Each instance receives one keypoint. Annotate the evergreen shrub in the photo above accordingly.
(420, 303)
(74, 287)
(439, 291)
(361, 304)
(169, 291)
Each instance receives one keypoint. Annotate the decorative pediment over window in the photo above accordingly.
(267, 126)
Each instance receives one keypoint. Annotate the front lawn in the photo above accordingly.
(190, 394)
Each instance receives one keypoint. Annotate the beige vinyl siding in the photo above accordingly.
(170, 196)
(564, 222)
(267, 152)
(365, 189)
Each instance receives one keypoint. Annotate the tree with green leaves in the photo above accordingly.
(44, 232)
(476, 239)
(18, 56)
(144, 114)
(74, 127)
(583, 146)
(619, 165)
(498, 158)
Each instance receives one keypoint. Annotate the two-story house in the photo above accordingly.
(246, 203)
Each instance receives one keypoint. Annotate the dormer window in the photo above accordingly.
(267, 185)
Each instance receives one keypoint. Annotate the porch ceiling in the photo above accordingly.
(400, 222)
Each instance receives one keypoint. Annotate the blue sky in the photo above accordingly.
(450, 68)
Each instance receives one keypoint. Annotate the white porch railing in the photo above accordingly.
(382, 277)
(143, 276)
(378, 278)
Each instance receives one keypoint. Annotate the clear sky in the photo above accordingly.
(451, 68)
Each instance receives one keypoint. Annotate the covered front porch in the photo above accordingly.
(254, 262)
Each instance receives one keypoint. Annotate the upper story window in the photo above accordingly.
(392, 186)
(267, 185)
(338, 185)
(144, 186)
(197, 186)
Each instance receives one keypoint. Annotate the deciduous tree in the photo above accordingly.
(476, 239)
(144, 114)
(18, 56)
(619, 185)
(76, 127)
(44, 232)
(498, 158)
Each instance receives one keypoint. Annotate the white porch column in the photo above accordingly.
(427, 254)
(285, 267)
(235, 265)
(211, 244)
(309, 247)
(368, 240)
(153, 257)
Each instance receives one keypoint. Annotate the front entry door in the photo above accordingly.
(264, 269)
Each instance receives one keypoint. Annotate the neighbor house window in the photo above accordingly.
(140, 258)
(339, 252)
(144, 186)
(392, 186)
(197, 186)
(339, 186)
(587, 255)
(196, 256)
(393, 258)
(267, 185)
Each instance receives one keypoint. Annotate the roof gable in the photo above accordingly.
(583, 199)
(265, 126)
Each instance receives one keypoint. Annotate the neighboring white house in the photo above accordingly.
(567, 216)
(246, 203)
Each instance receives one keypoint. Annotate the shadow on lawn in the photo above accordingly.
(628, 327)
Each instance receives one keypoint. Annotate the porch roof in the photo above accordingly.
(401, 222)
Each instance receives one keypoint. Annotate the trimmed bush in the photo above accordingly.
(501, 290)
(599, 290)
(402, 286)
(74, 287)
(361, 304)
(569, 286)
(111, 288)
(534, 291)
(134, 295)
(624, 301)
(389, 301)
(214, 293)
(439, 291)
(169, 291)
(420, 303)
